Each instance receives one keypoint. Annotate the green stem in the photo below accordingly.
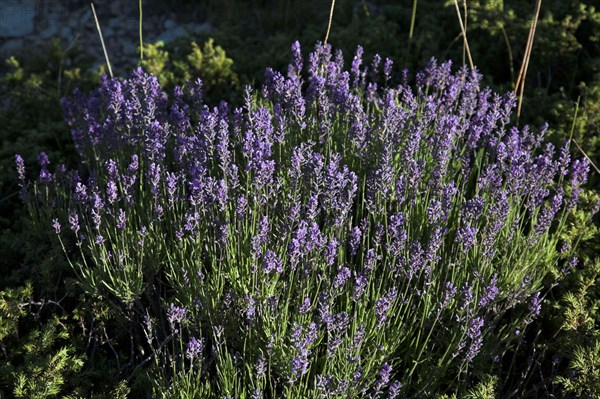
(412, 21)
(141, 40)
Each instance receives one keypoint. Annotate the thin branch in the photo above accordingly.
(102, 40)
(330, 19)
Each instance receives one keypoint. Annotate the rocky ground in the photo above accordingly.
(33, 24)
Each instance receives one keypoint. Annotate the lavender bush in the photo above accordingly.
(337, 236)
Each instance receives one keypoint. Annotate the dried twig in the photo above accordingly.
(102, 40)
(330, 19)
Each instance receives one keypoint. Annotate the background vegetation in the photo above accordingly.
(41, 310)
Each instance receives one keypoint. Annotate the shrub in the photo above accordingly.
(209, 63)
(336, 235)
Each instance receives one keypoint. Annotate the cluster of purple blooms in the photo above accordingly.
(334, 215)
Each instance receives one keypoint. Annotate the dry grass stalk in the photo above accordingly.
(464, 33)
(520, 85)
(588, 158)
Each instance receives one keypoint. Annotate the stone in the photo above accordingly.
(11, 47)
(128, 47)
(169, 24)
(107, 33)
(65, 33)
(204, 27)
(50, 31)
(17, 18)
(172, 34)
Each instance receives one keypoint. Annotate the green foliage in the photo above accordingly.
(584, 381)
(31, 119)
(485, 389)
(38, 364)
(209, 63)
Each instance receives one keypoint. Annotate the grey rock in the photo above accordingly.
(203, 27)
(65, 32)
(169, 24)
(86, 17)
(11, 47)
(50, 31)
(17, 17)
(128, 47)
(107, 32)
(172, 34)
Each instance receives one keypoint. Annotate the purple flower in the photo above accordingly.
(111, 192)
(272, 262)
(535, 304)
(355, 69)
(355, 236)
(358, 338)
(45, 176)
(194, 348)
(467, 299)
(383, 305)
(260, 366)
(571, 265)
(337, 326)
(448, 193)
(449, 294)
(360, 284)
(299, 365)
(295, 67)
(250, 310)
(80, 194)
(394, 390)
(384, 377)
(241, 206)
(56, 225)
(262, 236)
(154, 177)
(490, 292)
(434, 211)
(331, 252)
(111, 169)
(176, 314)
(341, 278)
(465, 237)
(547, 214)
(301, 343)
(387, 69)
(472, 209)
(474, 334)
(305, 306)
(121, 220)
(564, 159)
(20, 167)
(74, 222)
(43, 159)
